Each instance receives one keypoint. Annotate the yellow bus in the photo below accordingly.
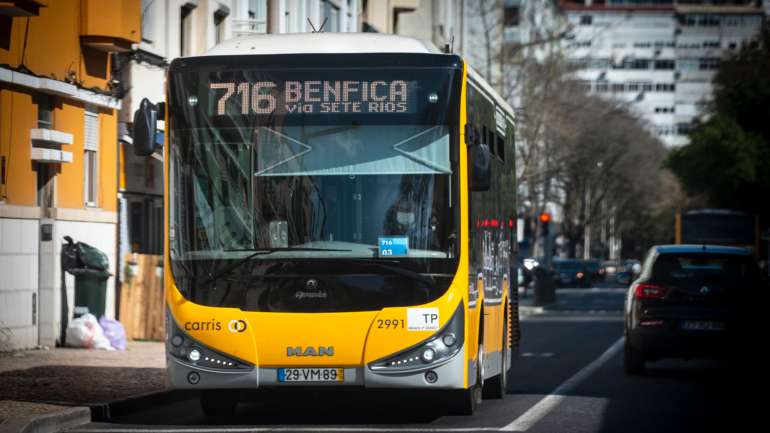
(340, 211)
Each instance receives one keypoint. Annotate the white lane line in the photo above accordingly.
(552, 400)
(284, 429)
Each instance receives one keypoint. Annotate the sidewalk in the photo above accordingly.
(45, 390)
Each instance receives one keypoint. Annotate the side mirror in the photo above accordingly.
(481, 169)
(145, 124)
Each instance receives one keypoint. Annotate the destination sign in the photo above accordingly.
(313, 97)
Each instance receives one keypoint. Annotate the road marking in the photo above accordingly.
(193, 429)
(552, 400)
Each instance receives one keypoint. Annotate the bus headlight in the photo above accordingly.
(194, 355)
(430, 353)
(186, 349)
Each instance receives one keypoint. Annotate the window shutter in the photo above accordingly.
(91, 140)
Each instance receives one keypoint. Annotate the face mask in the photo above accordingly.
(405, 218)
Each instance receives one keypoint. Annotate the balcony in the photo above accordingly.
(46, 145)
(110, 26)
(21, 8)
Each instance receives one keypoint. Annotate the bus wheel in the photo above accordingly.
(496, 387)
(465, 401)
(218, 403)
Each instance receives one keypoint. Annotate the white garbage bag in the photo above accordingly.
(85, 332)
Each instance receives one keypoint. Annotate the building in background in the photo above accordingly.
(58, 151)
(658, 56)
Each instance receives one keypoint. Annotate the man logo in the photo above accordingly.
(310, 351)
(236, 326)
(705, 290)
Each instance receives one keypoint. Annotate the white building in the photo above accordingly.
(658, 56)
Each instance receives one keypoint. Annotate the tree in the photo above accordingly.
(727, 161)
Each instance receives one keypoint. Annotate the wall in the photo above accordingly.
(18, 267)
(18, 114)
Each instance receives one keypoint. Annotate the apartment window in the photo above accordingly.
(708, 63)
(646, 87)
(599, 63)
(185, 30)
(220, 18)
(633, 86)
(511, 16)
(708, 21)
(684, 128)
(602, 86)
(331, 13)
(664, 64)
(578, 63)
(664, 110)
(687, 64)
(148, 29)
(586, 20)
(90, 157)
(687, 20)
(145, 225)
(618, 87)
(664, 87)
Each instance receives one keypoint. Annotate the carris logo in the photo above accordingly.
(212, 325)
(236, 326)
(310, 351)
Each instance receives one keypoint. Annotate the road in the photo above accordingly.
(568, 378)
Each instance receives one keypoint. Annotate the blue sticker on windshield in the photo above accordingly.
(394, 246)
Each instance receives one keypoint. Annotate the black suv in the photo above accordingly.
(691, 301)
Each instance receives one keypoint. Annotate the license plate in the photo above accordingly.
(311, 374)
(697, 325)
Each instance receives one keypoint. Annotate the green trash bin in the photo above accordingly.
(90, 291)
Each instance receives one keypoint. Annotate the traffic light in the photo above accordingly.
(545, 222)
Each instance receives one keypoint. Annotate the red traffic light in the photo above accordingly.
(544, 217)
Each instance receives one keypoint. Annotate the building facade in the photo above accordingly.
(58, 152)
(658, 56)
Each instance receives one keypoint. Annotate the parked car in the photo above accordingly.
(691, 301)
(571, 273)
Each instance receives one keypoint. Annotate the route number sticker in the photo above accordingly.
(422, 319)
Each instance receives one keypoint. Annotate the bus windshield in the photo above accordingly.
(302, 163)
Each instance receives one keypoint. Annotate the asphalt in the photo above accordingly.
(568, 378)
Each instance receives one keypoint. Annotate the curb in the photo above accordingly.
(49, 423)
(105, 412)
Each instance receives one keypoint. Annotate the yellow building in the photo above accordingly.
(58, 151)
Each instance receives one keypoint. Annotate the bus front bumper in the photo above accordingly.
(449, 374)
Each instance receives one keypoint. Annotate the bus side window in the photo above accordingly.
(500, 148)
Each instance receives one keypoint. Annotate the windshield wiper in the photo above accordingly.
(240, 262)
(382, 264)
